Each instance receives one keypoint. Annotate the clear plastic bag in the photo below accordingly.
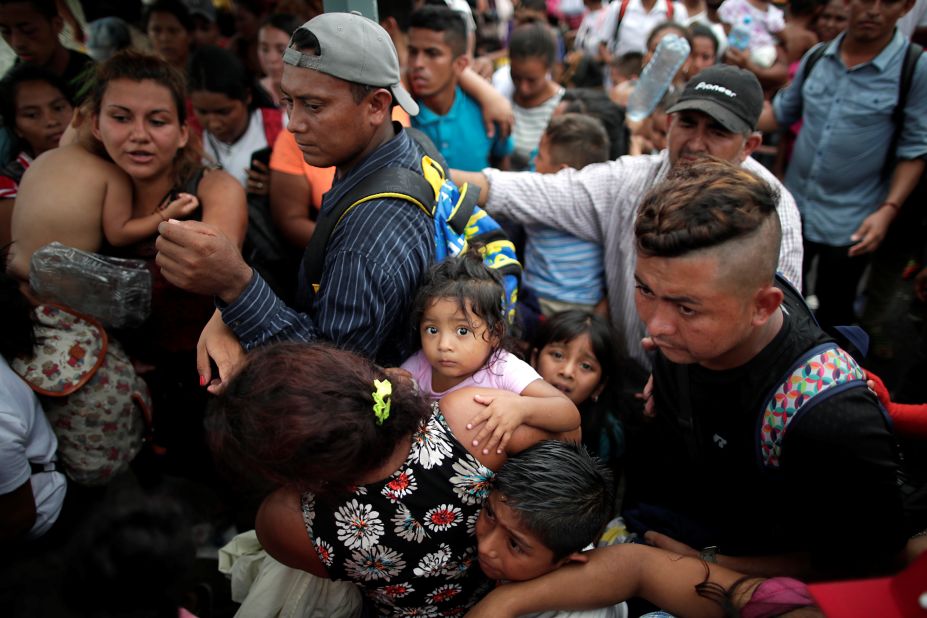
(113, 290)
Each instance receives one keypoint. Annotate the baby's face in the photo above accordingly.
(508, 550)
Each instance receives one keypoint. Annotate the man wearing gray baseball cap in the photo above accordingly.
(341, 79)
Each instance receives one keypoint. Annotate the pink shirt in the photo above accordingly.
(505, 371)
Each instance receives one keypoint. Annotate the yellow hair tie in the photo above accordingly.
(381, 401)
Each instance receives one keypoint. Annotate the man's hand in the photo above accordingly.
(198, 258)
(219, 343)
(647, 394)
(872, 231)
(658, 539)
(258, 178)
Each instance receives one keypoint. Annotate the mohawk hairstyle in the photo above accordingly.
(702, 205)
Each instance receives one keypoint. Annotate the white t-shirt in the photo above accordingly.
(637, 24)
(591, 31)
(236, 158)
(26, 436)
(506, 371)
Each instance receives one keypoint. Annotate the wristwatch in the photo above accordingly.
(709, 554)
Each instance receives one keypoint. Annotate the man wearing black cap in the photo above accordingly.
(340, 80)
(716, 115)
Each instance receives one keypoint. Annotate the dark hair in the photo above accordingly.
(284, 22)
(135, 66)
(302, 414)
(22, 73)
(566, 326)
(586, 73)
(699, 30)
(15, 315)
(561, 493)
(133, 557)
(176, 8)
(476, 287)
(445, 20)
(400, 10)
(218, 70)
(668, 25)
(46, 8)
(305, 41)
(708, 203)
(805, 7)
(630, 63)
(577, 140)
(594, 102)
(533, 41)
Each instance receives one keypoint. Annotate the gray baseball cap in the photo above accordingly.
(355, 49)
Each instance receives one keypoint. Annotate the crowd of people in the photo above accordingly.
(408, 314)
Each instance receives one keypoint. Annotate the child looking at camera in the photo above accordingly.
(573, 352)
(462, 326)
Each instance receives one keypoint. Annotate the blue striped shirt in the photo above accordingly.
(375, 261)
(562, 267)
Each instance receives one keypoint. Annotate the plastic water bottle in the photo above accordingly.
(656, 77)
(739, 36)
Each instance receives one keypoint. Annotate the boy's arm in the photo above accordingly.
(612, 575)
(497, 110)
(796, 564)
(539, 406)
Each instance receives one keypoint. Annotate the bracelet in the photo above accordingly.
(892, 204)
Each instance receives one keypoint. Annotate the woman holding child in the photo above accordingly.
(140, 118)
(376, 485)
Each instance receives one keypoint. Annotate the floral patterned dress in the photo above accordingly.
(409, 541)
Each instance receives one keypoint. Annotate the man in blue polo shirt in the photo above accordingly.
(847, 180)
(449, 116)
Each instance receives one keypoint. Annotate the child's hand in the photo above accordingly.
(500, 418)
(180, 207)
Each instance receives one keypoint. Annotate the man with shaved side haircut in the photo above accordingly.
(727, 332)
